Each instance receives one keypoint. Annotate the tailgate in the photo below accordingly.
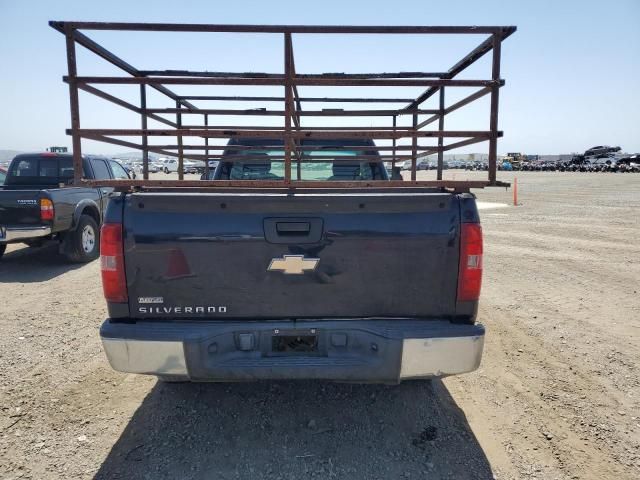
(350, 255)
(19, 207)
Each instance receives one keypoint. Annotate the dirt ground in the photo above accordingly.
(557, 395)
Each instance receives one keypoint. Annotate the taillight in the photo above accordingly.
(470, 274)
(46, 209)
(114, 282)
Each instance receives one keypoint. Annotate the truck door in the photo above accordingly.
(101, 171)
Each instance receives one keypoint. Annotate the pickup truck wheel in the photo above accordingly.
(84, 241)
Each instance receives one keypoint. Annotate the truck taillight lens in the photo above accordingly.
(470, 275)
(46, 209)
(112, 263)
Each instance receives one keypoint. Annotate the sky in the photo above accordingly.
(572, 69)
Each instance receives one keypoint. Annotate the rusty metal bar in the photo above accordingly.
(464, 143)
(136, 146)
(121, 64)
(302, 99)
(414, 148)
(236, 158)
(301, 147)
(393, 146)
(298, 110)
(206, 143)
(129, 106)
(145, 138)
(282, 184)
(303, 133)
(493, 120)
(331, 82)
(308, 113)
(441, 139)
(465, 101)
(466, 61)
(179, 136)
(184, 27)
(74, 104)
(113, 141)
(189, 73)
(288, 106)
(266, 128)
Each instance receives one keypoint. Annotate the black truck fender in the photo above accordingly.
(86, 207)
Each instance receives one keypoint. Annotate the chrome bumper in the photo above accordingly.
(16, 234)
(378, 352)
(145, 356)
(420, 358)
(440, 357)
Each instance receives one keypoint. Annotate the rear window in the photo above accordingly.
(319, 166)
(40, 170)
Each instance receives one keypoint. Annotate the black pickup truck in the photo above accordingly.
(355, 285)
(38, 202)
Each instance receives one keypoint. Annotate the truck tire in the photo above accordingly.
(84, 242)
(3, 247)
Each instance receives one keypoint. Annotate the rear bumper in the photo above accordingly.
(380, 351)
(10, 234)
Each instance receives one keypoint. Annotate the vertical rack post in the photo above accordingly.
(143, 123)
(288, 106)
(180, 149)
(414, 148)
(493, 121)
(441, 139)
(393, 154)
(206, 148)
(74, 104)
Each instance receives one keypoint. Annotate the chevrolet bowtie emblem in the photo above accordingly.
(293, 264)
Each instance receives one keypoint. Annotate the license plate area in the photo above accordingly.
(295, 342)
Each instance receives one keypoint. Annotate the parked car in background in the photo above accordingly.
(170, 165)
(38, 202)
(153, 167)
(191, 167)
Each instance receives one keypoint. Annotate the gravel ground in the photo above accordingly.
(557, 395)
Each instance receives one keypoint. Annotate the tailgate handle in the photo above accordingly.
(293, 228)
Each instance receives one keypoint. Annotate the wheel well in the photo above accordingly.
(92, 212)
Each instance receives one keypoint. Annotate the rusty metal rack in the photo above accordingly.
(292, 131)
